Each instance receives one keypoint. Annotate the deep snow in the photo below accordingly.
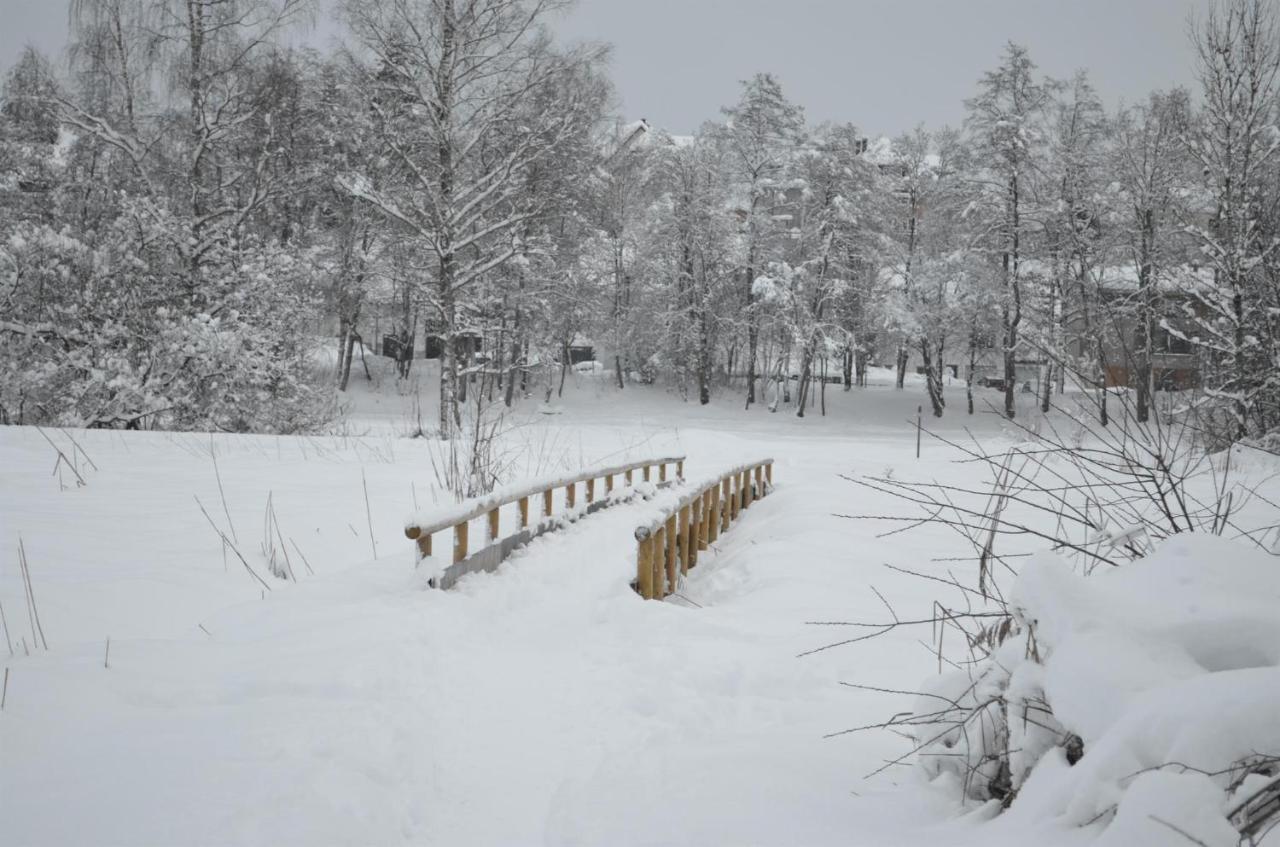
(542, 704)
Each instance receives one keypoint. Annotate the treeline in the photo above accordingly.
(191, 212)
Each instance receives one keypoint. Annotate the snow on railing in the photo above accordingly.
(668, 546)
(420, 527)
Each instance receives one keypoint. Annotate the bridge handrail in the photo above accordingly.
(422, 526)
(669, 545)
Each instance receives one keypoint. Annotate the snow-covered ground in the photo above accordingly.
(542, 704)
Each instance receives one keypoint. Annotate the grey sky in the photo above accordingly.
(882, 64)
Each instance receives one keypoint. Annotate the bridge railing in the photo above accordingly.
(668, 546)
(421, 528)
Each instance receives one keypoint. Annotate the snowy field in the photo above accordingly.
(180, 702)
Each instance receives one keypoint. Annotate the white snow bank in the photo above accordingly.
(1168, 670)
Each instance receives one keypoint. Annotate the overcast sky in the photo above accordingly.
(882, 64)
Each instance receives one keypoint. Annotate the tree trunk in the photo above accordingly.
(1012, 313)
(933, 377)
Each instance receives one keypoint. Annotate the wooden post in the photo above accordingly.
(524, 512)
(424, 544)
(759, 481)
(460, 542)
(919, 427)
(683, 523)
(704, 525)
(735, 500)
(662, 472)
(714, 524)
(570, 494)
(695, 531)
(746, 489)
(644, 568)
(546, 502)
(672, 563)
(627, 475)
(493, 525)
(591, 490)
(768, 474)
(646, 473)
(658, 575)
(608, 483)
(680, 469)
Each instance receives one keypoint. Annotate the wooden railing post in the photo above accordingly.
(524, 512)
(759, 481)
(672, 562)
(591, 490)
(608, 483)
(735, 499)
(695, 529)
(493, 525)
(745, 484)
(460, 542)
(627, 475)
(646, 473)
(716, 518)
(658, 574)
(424, 544)
(680, 469)
(644, 568)
(704, 525)
(570, 494)
(546, 502)
(684, 539)
(768, 473)
(662, 472)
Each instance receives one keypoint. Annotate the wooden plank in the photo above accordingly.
(570, 494)
(646, 473)
(424, 544)
(608, 483)
(493, 525)
(524, 512)
(546, 502)
(662, 472)
(591, 490)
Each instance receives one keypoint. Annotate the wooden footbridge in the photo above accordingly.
(667, 545)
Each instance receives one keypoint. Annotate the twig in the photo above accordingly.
(5, 621)
(33, 612)
(233, 547)
(223, 495)
(368, 513)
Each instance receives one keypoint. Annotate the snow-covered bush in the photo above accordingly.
(1147, 696)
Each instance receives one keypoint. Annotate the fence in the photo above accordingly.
(669, 546)
(488, 558)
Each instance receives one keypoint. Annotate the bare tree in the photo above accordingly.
(451, 83)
